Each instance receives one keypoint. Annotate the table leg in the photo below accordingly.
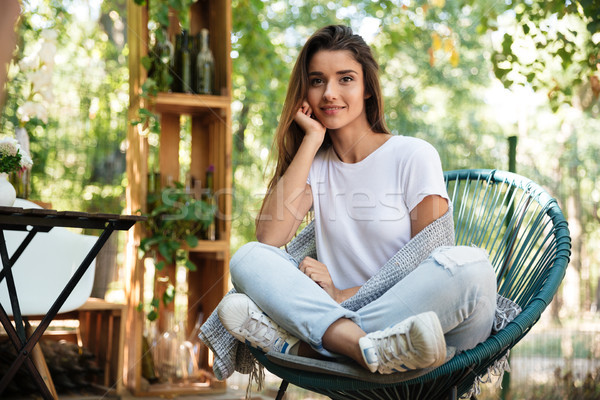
(23, 354)
(37, 356)
(12, 290)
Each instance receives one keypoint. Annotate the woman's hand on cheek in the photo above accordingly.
(319, 273)
(311, 126)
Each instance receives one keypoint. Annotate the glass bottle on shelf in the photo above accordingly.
(205, 66)
(161, 56)
(194, 338)
(176, 70)
(194, 50)
(153, 190)
(148, 369)
(167, 350)
(153, 335)
(167, 55)
(186, 72)
(190, 352)
(211, 233)
(187, 368)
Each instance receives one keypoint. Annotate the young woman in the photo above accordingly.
(371, 193)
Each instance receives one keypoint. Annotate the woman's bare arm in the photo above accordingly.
(428, 210)
(291, 198)
(286, 205)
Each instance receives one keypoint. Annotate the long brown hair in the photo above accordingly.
(289, 135)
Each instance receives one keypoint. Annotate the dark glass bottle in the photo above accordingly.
(153, 196)
(162, 56)
(194, 49)
(166, 58)
(205, 66)
(148, 369)
(176, 71)
(186, 59)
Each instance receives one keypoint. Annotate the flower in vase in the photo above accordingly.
(12, 157)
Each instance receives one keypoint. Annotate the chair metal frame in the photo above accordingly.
(525, 232)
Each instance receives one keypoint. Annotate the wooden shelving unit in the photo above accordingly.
(210, 145)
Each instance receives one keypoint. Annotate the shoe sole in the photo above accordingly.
(226, 309)
(239, 301)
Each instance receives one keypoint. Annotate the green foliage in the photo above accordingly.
(549, 45)
(146, 117)
(10, 163)
(167, 297)
(161, 8)
(157, 62)
(79, 158)
(176, 219)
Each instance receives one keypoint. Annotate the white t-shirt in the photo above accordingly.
(362, 209)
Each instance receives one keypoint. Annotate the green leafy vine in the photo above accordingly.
(176, 220)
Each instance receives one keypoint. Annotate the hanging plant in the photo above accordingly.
(176, 220)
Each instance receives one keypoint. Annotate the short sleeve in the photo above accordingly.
(423, 175)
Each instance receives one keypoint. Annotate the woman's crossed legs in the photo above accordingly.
(450, 294)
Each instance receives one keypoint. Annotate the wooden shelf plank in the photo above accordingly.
(192, 104)
(210, 246)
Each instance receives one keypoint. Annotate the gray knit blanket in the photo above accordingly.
(230, 355)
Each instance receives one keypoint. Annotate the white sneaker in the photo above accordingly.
(247, 323)
(417, 342)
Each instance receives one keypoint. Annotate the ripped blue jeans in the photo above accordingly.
(457, 283)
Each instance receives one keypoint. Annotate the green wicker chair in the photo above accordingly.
(526, 235)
